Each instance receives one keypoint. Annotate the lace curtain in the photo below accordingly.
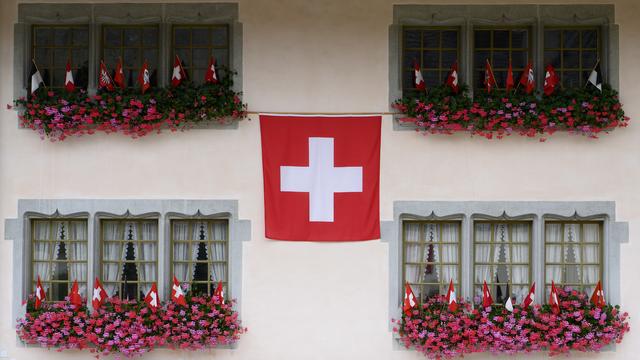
(194, 233)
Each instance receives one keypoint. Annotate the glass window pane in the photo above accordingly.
(132, 37)
(571, 79)
(571, 39)
(219, 37)
(80, 37)
(519, 59)
(450, 39)
(520, 38)
(200, 37)
(500, 60)
(501, 39)
(182, 37)
(431, 78)
(62, 37)
(132, 58)
(482, 38)
(150, 37)
(60, 57)
(449, 58)
(412, 38)
(43, 37)
(113, 36)
(571, 59)
(431, 39)
(552, 39)
(221, 56)
(410, 56)
(553, 58)
(590, 39)
(201, 58)
(431, 59)
(589, 59)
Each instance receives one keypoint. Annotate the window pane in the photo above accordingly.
(500, 59)
(482, 39)
(113, 36)
(431, 59)
(520, 39)
(412, 39)
(501, 39)
(590, 39)
(80, 37)
(62, 37)
(219, 37)
(182, 37)
(200, 37)
(571, 59)
(450, 39)
(132, 37)
(449, 58)
(410, 56)
(150, 37)
(552, 39)
(571, 39)
(431, 39)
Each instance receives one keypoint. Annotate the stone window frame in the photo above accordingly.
(468, 17)
(538, 212)
(96, 15)
(93, 210)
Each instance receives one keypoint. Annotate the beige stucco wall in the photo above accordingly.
(313, 300)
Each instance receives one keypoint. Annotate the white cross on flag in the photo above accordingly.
(177, 294)
(40, 294)
(152, 298)
(99, 295)
(321, 177)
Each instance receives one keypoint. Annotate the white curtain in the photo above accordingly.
(413, 255)
(591, 235)
(482, 252)
(219, 251)
(501, 252)
(42, 250)
(572, 256)
(180, 250)
(520, 254)
(431, 243)
(114, 252)
(553, 234)
(449, 252)
(146, 253)
(77, 251)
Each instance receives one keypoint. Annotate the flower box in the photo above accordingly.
(579, 111)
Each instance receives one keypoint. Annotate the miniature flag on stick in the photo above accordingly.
(99, 295)
(74, 295)
(177, 294)
(69, 84)
(551, 80)
(418, 80)
(509, 83)
(40, 294)
(553, 299)
(489, 78)
(595, 78)
(152, 298)
(104, 80)
(219, 292)
(527, 80)
(36, 78)
(178, 72)
(211, 76)
(509, 305)
(144, 79)
(118, 78)
(451, 297)
(487, 300)
(452, 79)
(530, 297)
(409, 299)
(598, 296)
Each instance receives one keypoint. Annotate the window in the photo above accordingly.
(53, 45)
(573, 252)
(134, 45)
(195, 44)
(199, 253)
(502, 259)
(431, 256)
(435, 49)
(129, 257)
(573, 52)
(59, 250)
(499, 45)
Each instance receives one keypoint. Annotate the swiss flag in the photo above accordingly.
(144, 77)
(451, 297)
(597, 298)
(417, 77)
(178, 74)
(487, 300)
(509, 83)
(553, 299)
(118, 77)
(69, 84)
(177, 294)
(104, 79)
(74, 295)
(551, 80)
(530, 297)
(152, 298)
(211, 76)
(40, 294)
(452, 78)
(527, 80)
(409, 299)
(219, 292)
(99, 295)
(321, 177)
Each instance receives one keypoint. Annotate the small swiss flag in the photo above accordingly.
(553, 299)
(487, 300)
(152, 298)
(321, 177)
(177, 294)
(219, 292)
(211, 76)
(74, 296)
(451, 297)
(531, 297)
(409, 299)
(99, 295)
(69, 84)
(597, 298)
(40, 295)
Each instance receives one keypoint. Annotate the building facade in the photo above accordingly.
(516, 210)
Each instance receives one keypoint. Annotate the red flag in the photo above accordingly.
(530, 297)
(418, 80)
(553, 299)
(451, 297)
(598, 296)
(527, 80)
(452, 79)
(409, 299)
(487, 300)
(69, 84)
(144, 78)
(118, 78)
(551, 80)
(104, 79)
(212, 75)
(74, 295)
(177, 294)
(489, 78)
(509, 84)
(40, 295)
(321, 177)
(219, 292)
(99, 295)
(152, 298)
(178, 72)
